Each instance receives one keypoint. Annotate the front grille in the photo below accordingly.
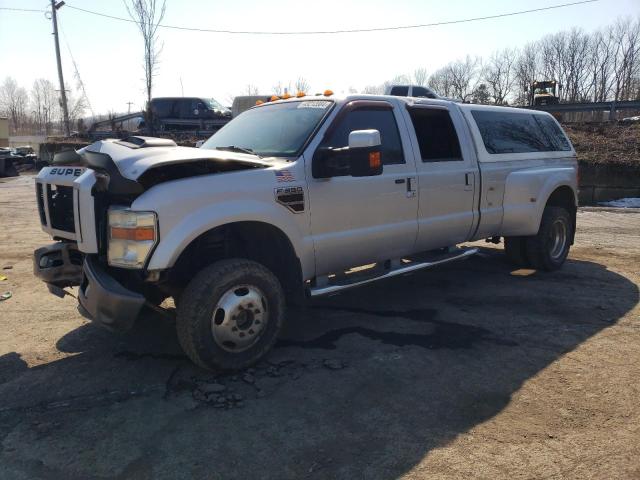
(60, 201)
(40, 198)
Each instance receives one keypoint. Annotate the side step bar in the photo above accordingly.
(344, 282)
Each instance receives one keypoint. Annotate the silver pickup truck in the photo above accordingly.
(298, 198)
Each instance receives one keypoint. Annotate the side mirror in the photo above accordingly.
(362, 158)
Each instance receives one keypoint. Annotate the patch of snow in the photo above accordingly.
(622, 203)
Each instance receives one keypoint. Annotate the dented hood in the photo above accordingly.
(133, 161)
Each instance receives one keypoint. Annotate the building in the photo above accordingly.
(4, 132)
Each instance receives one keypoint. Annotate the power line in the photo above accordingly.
(21, 9)
(354, 30)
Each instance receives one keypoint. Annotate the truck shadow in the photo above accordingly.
(363, 385)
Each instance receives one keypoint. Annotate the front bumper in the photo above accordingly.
(58, 265)
(105, 301)
(102, 298)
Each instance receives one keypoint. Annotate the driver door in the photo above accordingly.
(361, 220)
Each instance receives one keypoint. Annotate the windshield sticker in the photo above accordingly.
(284, 176)
(314, 104)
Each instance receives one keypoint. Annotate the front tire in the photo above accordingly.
(548, 249)
(230, 314)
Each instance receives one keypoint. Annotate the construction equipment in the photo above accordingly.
(544, 92)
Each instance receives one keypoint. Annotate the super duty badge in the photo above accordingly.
(76, 172)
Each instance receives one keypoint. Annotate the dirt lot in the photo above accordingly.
(469, 371)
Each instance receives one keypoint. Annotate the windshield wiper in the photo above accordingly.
(234, 148)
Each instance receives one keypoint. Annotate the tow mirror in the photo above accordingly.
(362, 158)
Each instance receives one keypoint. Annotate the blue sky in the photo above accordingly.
(109, 52)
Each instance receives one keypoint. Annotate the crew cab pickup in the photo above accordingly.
(286, 200)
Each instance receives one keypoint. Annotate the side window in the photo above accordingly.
(437, 137)
(554, 132)
(381, 119)
(161, 108)
(185, 108)
(511, 132)
(399, 91)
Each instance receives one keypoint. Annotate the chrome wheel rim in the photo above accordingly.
(239, 318)
(558, 239)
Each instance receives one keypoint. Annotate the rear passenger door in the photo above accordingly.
(447, 176)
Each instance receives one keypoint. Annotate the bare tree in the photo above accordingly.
(420, 76)
(373, 89)
(148, 14)
(575, 62)
(500, 76)
(302, 85)
(77, 106)
(251, 90)
(626, 67)
(441, 82)
(13, 101)
(526, 72)
(280, 88)
(44, 104)
(464, 75)
(601, 54)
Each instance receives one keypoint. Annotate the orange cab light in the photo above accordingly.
(374, 160)
(259, 102)
(139, 234)
(300, 94)
(285, 96)
(328, 93)
(274, 98)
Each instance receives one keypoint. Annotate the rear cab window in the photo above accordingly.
(436, 135)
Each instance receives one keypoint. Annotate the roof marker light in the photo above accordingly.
(259, 102)
(274, 98)
(300, 94)
(328, 93)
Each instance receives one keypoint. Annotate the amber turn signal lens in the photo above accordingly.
(139, 234)
(374, 160)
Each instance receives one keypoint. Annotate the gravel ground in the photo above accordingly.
(469, 371)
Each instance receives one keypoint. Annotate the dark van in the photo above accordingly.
(187, 113)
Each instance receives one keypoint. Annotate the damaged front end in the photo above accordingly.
(78, 198)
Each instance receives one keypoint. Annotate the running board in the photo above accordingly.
(344, 282)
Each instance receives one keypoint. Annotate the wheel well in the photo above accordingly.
(564, 197)
(257, 241)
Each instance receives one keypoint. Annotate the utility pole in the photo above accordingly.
(129, 105)
(63, 94)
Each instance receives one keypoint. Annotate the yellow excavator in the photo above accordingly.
(544, 92)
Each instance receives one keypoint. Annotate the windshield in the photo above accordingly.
(276, 130)
(214, 105)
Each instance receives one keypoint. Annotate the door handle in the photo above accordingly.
(468, 184)
(411, 192)
(399, 181)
